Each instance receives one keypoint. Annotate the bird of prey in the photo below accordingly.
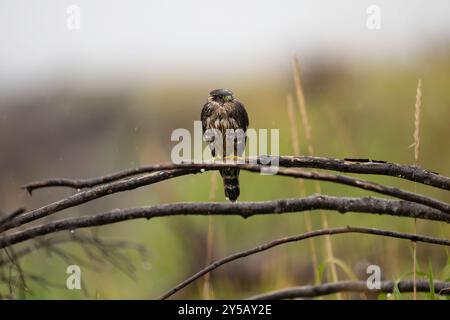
(221, 113)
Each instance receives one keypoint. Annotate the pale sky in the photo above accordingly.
(161, 36)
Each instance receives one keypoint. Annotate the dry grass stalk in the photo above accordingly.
(307, 132)
(416, 144)
(417, 121)
(207, 289)
(301, 182)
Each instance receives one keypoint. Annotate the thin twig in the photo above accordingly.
(78, 239)
(441, 287)
(307, 235)
(12, 258)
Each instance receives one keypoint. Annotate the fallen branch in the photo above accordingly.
(91, 194)
(133, 183)
(243, 209)
(360, 166)
(308, 235)
(11, 216)
(440, 287)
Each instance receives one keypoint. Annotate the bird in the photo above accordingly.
(221, 112)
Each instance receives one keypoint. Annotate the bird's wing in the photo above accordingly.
(206, 112)
(241, 116)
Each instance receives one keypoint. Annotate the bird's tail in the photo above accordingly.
(231, 183)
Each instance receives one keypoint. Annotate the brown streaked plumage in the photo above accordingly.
(221, 112)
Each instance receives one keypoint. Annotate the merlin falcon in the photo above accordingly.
(224, 114)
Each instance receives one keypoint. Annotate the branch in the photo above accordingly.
(440, 287)
(89, 195)
(360, 166)
(132, 183)
(411, 204)
(243, 209)
(11, 216)
(312, 234)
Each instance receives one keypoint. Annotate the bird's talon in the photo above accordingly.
(233, 158)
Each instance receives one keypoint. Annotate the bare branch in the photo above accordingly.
(440, 287)
(411, 205)
(300, 237)
(243, 209)
(360, 166)
(89, 195)
(11, 216)
(132, 183)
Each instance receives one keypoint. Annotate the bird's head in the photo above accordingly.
(221, 95)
